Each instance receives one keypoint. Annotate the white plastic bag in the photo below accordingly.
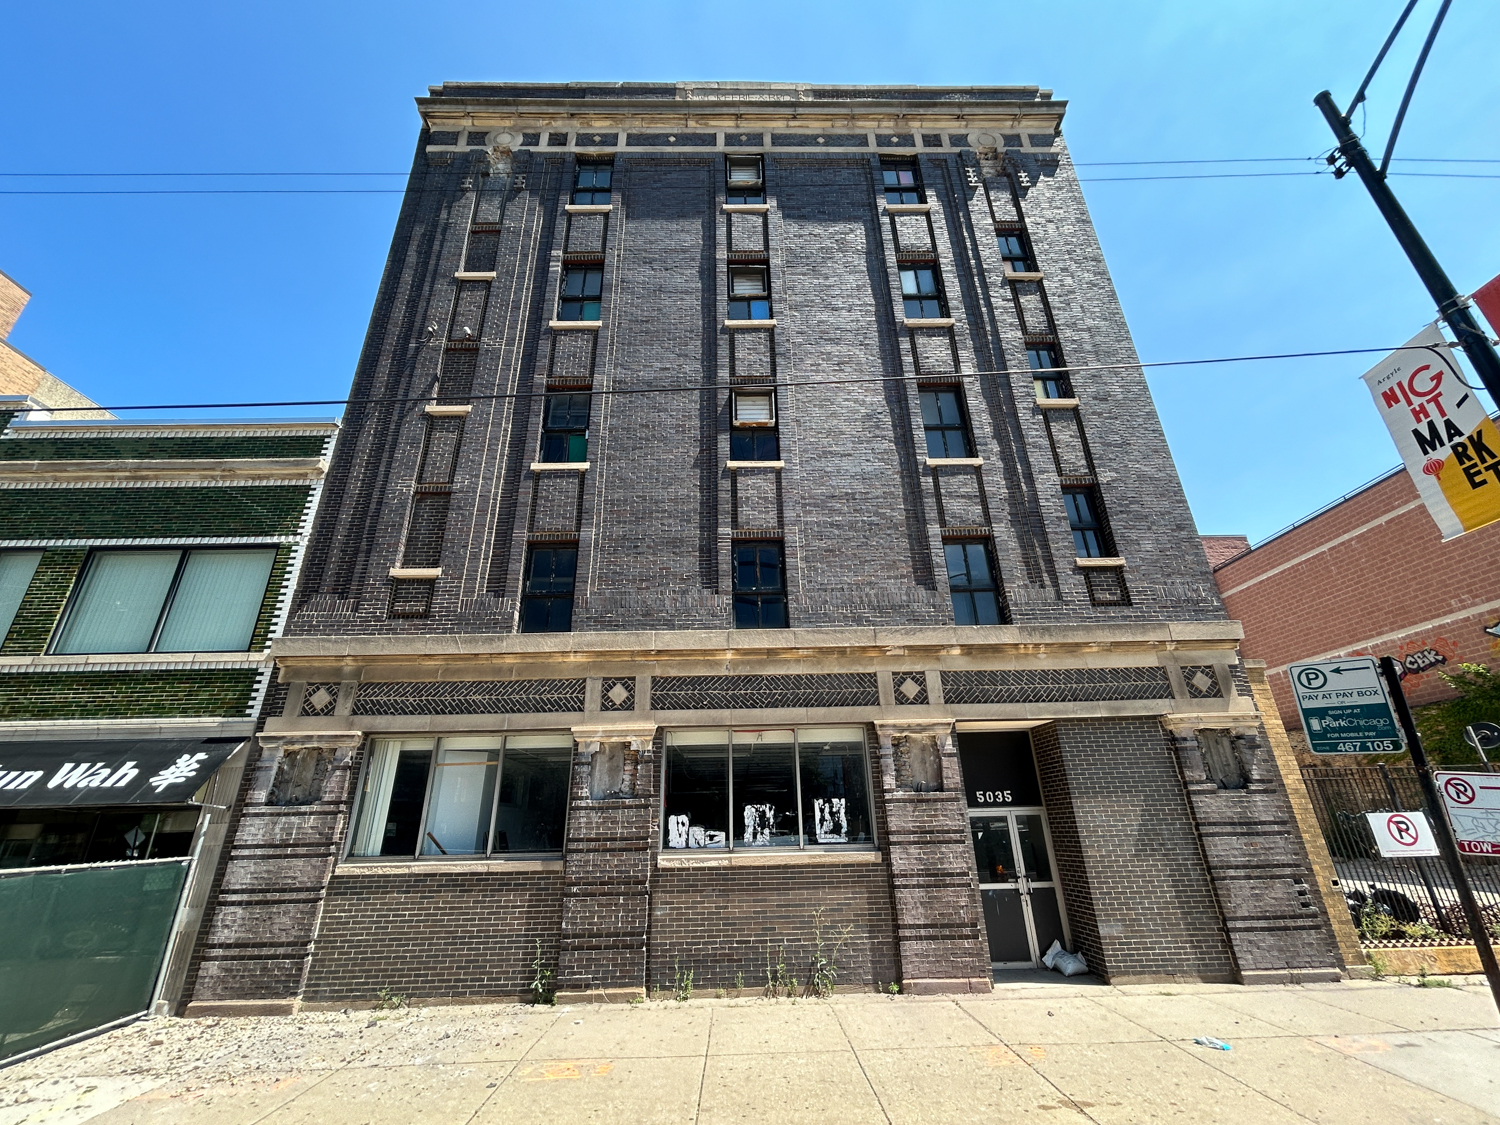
(1070, 964)
(1050, 957)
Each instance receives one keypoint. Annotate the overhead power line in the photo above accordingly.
(694, 388)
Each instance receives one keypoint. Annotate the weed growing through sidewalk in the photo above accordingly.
(1378, 966)
(386, 1000)
(894, 988)
(739, 984)
(543, 979)
(682, 983)
(637, 999)
(1425, 981)
(825, 965)
(778, 984)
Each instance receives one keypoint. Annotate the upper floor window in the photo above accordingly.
(753, 436)
(1049, 382)
(943, 419)
(16, 569)
(547, 589)
(971, 580)
(749, 293)
(591, 182)
(464, 795)
(1090, 537)
(1016, 253)
(903, 183)
(565, 428)
(167, 601)
(920, 293)
(759, 585)
(746, 180)
(579, 299)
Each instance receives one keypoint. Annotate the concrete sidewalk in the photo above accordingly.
(1365, 1052)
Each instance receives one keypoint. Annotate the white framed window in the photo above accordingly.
(167, 600)
(16, 569)
(463, 795)
(754, 408)
(802, 787)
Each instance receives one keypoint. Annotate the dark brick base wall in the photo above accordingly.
(718, 922)
(434, 934)
(1134, 880)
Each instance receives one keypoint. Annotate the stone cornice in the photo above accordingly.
(205, 469)
(1015, 641)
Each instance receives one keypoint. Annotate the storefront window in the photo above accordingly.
(766, 788)
(464, 795)
(52, 837)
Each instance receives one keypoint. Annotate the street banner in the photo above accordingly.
(1344, 707)
(1400, 835)
(1487, 297)
(1449, 443)
(1473, 803)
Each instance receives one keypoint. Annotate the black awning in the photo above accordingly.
(133, 771)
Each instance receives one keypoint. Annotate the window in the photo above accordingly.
(580, 295)
(1049, 383)
(749, 293)
(57, 837)
(903, 183)
(1017, 255)
(920, 295)
(807, 787)
(591, 182)
(565, 428)
(547, 592)
(464, 795)
(1089, 537)
(943, 419)
(759, 586)
(16, 569)
(746, 183)
(167, 601)
(753, 437)
(971, 579)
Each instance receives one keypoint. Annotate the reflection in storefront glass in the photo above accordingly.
(1033, 847)
(993, 853)
(53, 837)
(765, 789)
(696, 813)
(835, 792)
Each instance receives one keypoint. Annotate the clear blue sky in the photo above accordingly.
(175, 298)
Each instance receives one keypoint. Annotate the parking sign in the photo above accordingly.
(1344, 707)
(1402, 834)
(1473, 801)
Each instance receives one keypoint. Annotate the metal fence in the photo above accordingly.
(1394, 901)
(81, 947)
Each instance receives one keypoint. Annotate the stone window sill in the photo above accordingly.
(462, 276)
(1012, 275)
(416, 572)
(1113, 563)
(589, 208)
(559, 466)
(930, 322)
(1057, 403)
(908, 208)
(446, 411)
(945, 462)
(375, 866)
(734, 465)
(750, 323)
(765, 857)
(569, 325)
(747, 208)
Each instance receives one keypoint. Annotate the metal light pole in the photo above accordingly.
(1449, 302)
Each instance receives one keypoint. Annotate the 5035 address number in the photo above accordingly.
(992, 796)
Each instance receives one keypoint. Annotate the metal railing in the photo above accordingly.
(1394, 901)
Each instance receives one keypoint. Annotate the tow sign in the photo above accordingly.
(1402, 834)
(1473, 803)
(1344, 707)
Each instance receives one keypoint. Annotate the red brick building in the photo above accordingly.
(1367, 575)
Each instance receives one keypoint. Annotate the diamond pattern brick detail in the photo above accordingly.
(617, 695)
(1056, 685)
(704, 693)
(470, 697)
(320, 699)
(911, 688)
(1202, 682)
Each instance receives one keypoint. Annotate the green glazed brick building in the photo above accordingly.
(145, 568)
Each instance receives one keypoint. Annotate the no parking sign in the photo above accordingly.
(1401, 834)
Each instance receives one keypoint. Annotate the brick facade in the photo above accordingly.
(407, 623)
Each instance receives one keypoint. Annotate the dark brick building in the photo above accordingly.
(750, 526)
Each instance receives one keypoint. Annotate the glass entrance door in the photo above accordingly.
(1017, 885)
